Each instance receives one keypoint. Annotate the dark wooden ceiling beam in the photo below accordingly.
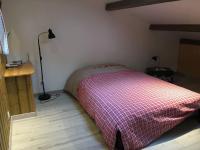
(176, 27)
(123, 4)
(190, 41)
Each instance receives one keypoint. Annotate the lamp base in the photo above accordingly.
(44, 97)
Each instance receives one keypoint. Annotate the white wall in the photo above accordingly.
(85, 34)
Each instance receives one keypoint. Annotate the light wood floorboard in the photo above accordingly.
(62, 124)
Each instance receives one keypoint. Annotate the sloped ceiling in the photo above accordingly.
(177, 12)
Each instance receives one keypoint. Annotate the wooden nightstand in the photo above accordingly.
(163, 73)
(19, 89)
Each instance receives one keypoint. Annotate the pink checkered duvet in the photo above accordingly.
(141, 107)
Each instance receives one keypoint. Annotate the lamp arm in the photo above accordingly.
(41, 67)
(39, 44)
(41, 34)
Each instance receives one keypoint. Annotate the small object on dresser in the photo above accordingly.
(163, 73)
(14, 64)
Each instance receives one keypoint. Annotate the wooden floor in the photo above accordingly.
(62, 124)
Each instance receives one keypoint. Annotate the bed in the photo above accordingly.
(130, 107)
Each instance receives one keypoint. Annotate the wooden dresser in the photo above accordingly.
(19, 89)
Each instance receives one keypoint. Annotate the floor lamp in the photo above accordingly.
(44, 96)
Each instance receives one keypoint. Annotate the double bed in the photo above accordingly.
(130, 108)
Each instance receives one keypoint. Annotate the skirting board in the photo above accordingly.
(16, 118)
(50, 92)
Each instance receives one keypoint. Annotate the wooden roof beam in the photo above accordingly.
(176, 27)
(124, 4)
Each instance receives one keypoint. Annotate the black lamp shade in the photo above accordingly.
(51, 34)
(155, 58)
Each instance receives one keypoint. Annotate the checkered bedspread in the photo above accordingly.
(141, 107)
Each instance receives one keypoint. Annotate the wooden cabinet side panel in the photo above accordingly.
(5, 124)
(4, 118)
(30, 94)
(2, 128)
(4, 111)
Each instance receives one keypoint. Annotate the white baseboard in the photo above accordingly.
(50, 92)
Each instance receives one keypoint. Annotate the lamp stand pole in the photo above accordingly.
(44, 96)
